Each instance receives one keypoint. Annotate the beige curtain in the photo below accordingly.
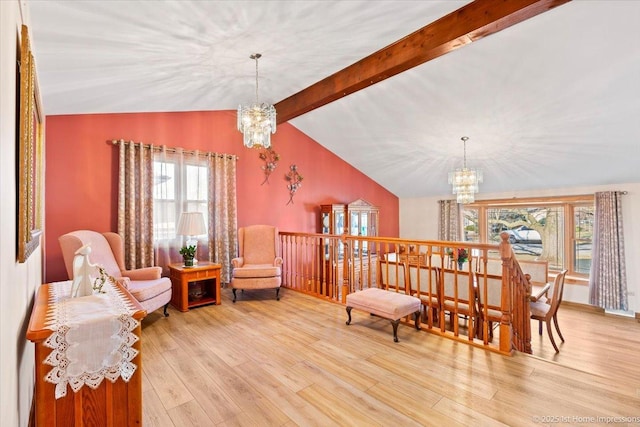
(449, 221)
(135, 204)
(223, 218)
(156, 185)
(608, 278)
(170, 194)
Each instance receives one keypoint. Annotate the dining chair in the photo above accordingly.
(393, 275)
(489, 290)
(424, 285)
(546, 311)
(458, 297)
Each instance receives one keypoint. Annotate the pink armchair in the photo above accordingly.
(107, 250)
(258, 265)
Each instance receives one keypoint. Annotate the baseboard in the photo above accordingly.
(588, 308)
(583, 307)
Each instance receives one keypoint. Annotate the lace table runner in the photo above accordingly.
(92, 338)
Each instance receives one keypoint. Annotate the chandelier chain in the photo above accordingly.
(256, 56)
(464, 155)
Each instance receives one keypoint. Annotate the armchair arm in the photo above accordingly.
(237, 262)
(124, 281)
(278, 262)
(145, 273)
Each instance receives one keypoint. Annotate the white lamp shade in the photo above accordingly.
(191, 224)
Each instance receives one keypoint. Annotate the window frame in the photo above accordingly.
(180, 193)
(569, 203)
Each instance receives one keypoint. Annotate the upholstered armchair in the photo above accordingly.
(258, 265)
(107, 250)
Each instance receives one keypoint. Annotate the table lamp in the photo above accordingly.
(191, 224)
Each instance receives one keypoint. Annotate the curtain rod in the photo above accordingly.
(174, 150)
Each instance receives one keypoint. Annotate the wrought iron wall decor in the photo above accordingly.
(270, 159)
(294, 180)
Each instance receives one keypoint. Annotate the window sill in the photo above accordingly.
(573, 280)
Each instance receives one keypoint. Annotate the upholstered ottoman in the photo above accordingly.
(386, 304)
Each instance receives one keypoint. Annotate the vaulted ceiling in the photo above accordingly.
(553, 101)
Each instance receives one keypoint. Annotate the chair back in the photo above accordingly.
(423, 280)
(456, 285)
(492, 266)
(558, 289)
(489, 293)
(393, 275)
(101, 253)
(258, 244)
(538, 270)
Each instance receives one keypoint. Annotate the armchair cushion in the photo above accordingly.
(143, 290)
(258, 270)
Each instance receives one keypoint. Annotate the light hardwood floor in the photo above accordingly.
(262, 362)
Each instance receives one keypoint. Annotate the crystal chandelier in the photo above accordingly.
(465, 181)
(257, 121)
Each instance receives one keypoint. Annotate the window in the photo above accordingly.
(582, 238)
(556, 229)
(179, 186)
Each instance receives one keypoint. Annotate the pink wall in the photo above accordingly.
(82, 173)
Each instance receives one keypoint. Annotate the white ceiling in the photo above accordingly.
(551, 102)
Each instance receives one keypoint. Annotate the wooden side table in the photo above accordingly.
(195, 286)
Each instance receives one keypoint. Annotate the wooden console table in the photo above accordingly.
(195, 286)
(111, 404)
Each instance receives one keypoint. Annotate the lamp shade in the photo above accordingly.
(191, 224)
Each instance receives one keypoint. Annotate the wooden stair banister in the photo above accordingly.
(326, 266)
(516, 293)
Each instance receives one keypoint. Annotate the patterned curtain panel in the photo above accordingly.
(450, 225)
(135, 204)
(223, 218)
(608, 279)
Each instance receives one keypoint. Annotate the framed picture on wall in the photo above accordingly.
(29, 153)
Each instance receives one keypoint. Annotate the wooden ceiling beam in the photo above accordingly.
(472, 22)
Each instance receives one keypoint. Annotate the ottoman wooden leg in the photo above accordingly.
(395, 329)
(416, 319)
(349, 314)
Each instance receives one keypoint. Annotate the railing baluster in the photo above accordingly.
(327, 266)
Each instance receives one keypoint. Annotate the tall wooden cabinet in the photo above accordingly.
(358, 218)
(362, 219)
(332, 218)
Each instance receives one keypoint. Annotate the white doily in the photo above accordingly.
(92, 338)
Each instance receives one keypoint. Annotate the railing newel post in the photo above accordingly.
(506, 327)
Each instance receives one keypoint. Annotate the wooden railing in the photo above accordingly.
(332, 266)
